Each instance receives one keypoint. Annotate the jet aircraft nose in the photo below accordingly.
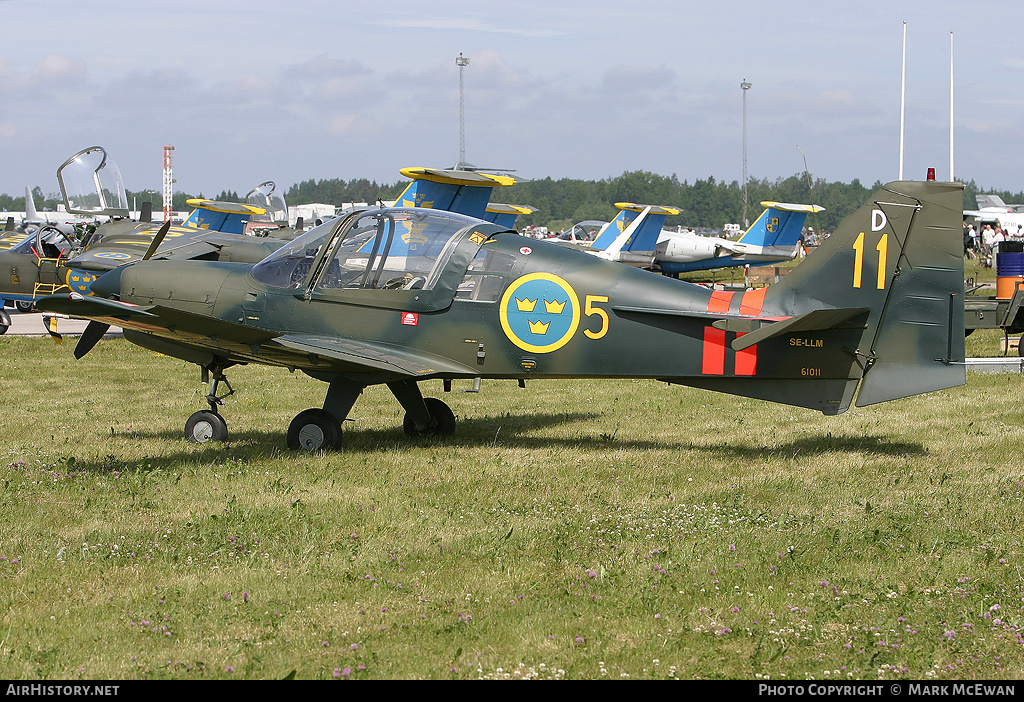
(109, 284)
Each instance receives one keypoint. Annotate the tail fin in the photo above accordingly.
(779, 225)
(899, 258)
(228, 217)
(625, 233)
(992, 201)
(507, 215)
(31, 214)
(465, 192)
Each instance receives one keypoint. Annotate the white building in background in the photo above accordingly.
(313, 211)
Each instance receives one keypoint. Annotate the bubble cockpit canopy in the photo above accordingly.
(263, 196)
(91, 184)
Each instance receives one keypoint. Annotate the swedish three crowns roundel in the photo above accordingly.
(540, 312)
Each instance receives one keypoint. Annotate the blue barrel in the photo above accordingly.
(1009, 268)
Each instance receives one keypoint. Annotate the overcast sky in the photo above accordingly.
(291, 90)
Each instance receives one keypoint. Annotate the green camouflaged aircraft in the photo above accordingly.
(406, 295)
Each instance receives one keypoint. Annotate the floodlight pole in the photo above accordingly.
(462, 61)
(745, 86)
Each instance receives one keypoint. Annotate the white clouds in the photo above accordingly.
(628, 79)
(302, 90)
(51, 72)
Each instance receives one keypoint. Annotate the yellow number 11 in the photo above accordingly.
(858, 262)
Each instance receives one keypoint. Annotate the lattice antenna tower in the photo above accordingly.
(168, 183)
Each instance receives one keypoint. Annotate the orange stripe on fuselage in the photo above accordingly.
(746, 360)
(752, 301)
(714, 349)
(713, 352)
(720, 301)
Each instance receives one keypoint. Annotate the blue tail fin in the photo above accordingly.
(643, 237)
(507, 215)
(779, 225)
(465, 192)
(228, 217)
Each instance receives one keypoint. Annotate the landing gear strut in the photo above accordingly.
(423, 416)
(208, 425)
(315, 429)
(320, 428)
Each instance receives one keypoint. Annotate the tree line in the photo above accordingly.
(705, 203)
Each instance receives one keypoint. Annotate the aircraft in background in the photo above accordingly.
(463, 192)
(54, 258)
(402, 296)
(773, 237)
(583, 233)
(992, 210)
(636, 237)
(507, 215)
(91, 185)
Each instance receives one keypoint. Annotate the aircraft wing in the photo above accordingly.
(241, 341)
(365, 355)
(182, 245)
(179, 325)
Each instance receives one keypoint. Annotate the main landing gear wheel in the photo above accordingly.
(23, 305)
(204, 426)
(314, 429)
(444, 420)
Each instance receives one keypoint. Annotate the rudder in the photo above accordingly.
(901, 257)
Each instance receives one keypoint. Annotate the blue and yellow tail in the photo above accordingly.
(464, 192)
(625, 233)
(779, 225)
(507, 215)
(228, 217)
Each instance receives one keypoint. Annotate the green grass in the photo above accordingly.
(603, 529)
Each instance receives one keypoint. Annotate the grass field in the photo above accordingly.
(611, 529)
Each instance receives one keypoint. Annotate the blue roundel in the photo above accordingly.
(540, 312)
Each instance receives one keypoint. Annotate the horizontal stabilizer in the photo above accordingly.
(817, 320)
(453, 177)
(790, 207)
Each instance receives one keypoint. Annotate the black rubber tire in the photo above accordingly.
(314, 429)
(440, 412)
(205, 426)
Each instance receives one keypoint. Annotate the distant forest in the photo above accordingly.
(560, 203)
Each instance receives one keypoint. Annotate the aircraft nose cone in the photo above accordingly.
(108, 284)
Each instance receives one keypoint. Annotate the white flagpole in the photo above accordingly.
(903, 95)
(951, 176)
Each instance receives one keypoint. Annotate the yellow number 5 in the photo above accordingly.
(590, 310)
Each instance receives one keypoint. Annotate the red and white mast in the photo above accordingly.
(168, 184)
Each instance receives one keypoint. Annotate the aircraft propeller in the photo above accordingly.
(94, 331)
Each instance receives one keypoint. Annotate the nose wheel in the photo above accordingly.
(205, 426)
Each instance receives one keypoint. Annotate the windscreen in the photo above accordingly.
(263, 196)
(91, 184)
